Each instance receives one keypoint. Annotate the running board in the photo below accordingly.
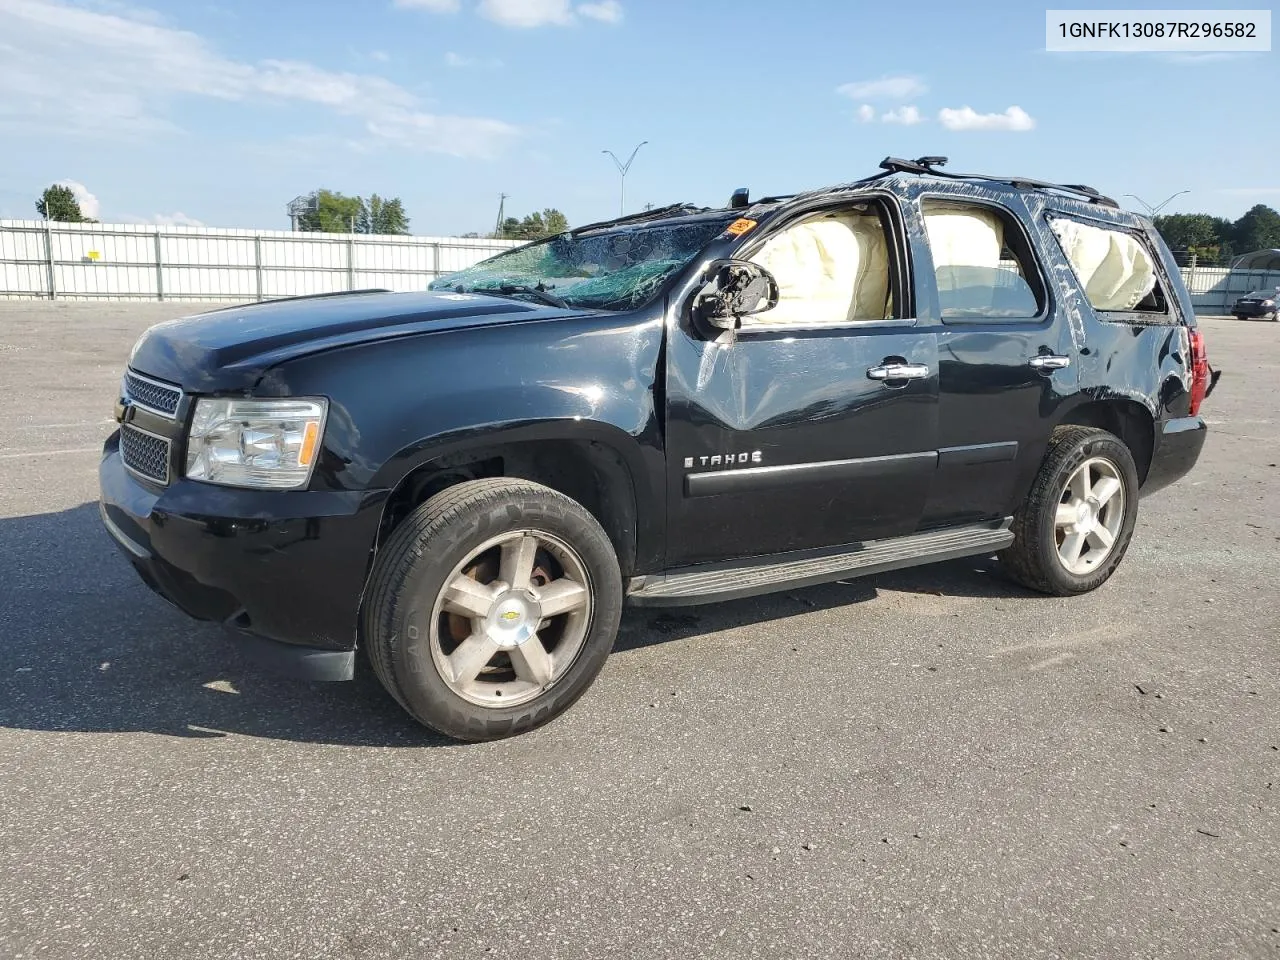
(708, 583)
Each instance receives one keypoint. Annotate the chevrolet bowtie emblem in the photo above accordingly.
(125, 411)
(510, 615)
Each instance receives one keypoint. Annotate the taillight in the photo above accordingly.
(1199, 372)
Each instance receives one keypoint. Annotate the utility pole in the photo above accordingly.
(623, 169)
(502, 211)
(1152, 211)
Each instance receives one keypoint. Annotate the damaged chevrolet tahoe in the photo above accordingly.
(681, 406)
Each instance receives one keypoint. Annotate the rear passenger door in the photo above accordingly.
(1005, 354)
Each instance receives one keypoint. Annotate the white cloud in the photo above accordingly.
(89, 206)
(65, 68)
(866, 113)
(435, 6)
(380, 55)
(966, 118)
(606, 11)
(526, 13)
(908, 116)
(886, 88)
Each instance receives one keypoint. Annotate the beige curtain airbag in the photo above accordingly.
(1114, 268)
(829, 270)
(963, 237)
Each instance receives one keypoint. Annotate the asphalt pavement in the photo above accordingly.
(931, 763)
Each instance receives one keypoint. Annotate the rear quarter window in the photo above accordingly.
(1116, 269)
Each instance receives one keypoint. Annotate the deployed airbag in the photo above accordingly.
(829, 270)
(973, 281)
(963, 236)
(1113, 267)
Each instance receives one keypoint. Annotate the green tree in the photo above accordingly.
(535, 226)
(554, 221)
(1258, 229)
(332, 212)
(382, 216)
(59, 203)
(1208, 237)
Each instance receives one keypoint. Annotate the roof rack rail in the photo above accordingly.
(928, 166)
(658, 213)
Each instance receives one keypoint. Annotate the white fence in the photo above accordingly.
(1214, 289)
(91, 261)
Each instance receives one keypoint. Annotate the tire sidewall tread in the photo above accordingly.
(1032, 560)
(412, 567)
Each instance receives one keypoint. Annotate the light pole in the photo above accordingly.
(623, 168)
(1152, 211)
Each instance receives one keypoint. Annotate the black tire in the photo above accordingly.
(1033, 559)
(1241, 316)
(412, 568)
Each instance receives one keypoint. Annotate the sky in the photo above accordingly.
(219, 113)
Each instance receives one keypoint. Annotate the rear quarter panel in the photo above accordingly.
(1143, 358)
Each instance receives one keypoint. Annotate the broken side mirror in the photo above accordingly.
(735, 289)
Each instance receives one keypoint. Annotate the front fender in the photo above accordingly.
(395, 406)
(644, 462)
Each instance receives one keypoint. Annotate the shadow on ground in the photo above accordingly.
(88, 648)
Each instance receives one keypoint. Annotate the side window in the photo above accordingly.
(982, 262)
(1115, 268)
(832, 268)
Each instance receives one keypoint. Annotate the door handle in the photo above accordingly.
(899, 371)
(1049, 361)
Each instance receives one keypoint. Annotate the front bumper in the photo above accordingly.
(283, 570)
(1253, 310)
(1178, 444)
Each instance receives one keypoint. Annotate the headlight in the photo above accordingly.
(271, 444)
(1268, 303)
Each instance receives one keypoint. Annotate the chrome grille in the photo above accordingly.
(145, 453)
(159, 397)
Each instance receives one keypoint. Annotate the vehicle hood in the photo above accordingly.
(231, 349)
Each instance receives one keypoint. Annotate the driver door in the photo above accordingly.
(815, 423)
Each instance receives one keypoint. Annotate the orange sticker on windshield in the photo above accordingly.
(739, 227)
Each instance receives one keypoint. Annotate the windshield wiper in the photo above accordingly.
(539, 293)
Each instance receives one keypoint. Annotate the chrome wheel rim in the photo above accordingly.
(1089, 516)
(511, 619)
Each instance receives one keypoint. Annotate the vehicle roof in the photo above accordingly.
(1074, 197)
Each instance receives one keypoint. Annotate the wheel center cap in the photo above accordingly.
(1084, 515)
(513, 619)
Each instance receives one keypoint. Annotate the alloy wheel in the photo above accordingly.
(1089, 516)
(511, 618)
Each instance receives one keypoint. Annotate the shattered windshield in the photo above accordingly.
(617, 269)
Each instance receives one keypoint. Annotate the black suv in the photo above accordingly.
(682, 406)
